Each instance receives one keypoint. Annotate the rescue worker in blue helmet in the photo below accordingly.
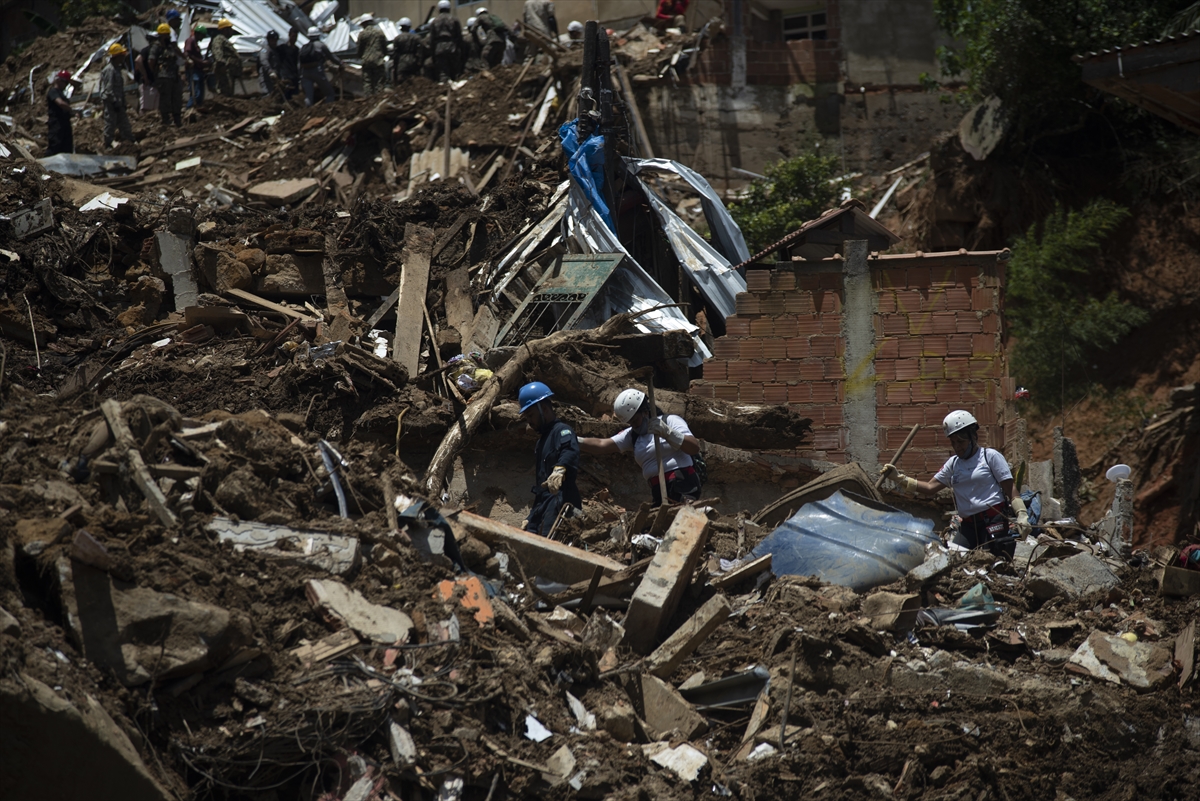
(984, 494)
(556, 459)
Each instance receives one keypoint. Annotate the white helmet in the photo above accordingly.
(443, 5)
(628, 403)
(471, 22)
(575, 25)
(479, 12)
(314, 32)
(957, 421)
(405, 22)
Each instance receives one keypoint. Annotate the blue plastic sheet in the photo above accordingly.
(841, 541)
(585, 162)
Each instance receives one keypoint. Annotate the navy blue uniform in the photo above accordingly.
(558, 445)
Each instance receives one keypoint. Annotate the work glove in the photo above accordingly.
(554, 481)
(906, 483)
(674, 438)
(1023, 527)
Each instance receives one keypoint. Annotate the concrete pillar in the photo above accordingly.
(858, 330)
(1122, 511)
(737, 45)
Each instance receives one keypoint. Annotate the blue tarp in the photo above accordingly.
(586, 165)
(841, 541)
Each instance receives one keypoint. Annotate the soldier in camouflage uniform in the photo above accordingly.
(372, 49)
(227, 64)
(166, 61)
(112, 94)
(408, 51)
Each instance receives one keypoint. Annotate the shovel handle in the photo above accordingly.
(900, 452)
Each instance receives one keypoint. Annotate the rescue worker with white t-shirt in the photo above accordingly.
(676, 443)
(983, 488)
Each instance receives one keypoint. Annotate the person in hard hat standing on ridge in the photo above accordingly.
(372, 49)
(472, 49)
(494, 36)
(59, 137)
(197, 65)
(312, 68)
(677, 446)
(166, 61)
(112, 95)
(227, 64)
(446, 37)
(556, 459)
(984, 494)
(574, 34)
(408, 51)
(175, 21)
(287, 62)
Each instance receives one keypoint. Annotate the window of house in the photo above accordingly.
(804, 26)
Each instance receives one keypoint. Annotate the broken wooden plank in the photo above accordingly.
(621, 578)
(154, 496)
(742, 572)
(414, 279)
(688, 637)
(383, 309)
(661, 589)
(331, 647)
(250, 297)
(538, 555)
(450, 233)
(460, 311)
(1185, 653)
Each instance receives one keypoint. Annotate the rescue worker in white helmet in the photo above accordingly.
(982, 482)
(676, 444)
(556, 459)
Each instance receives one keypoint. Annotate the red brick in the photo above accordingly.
(969, 323)
(797, 348)
(787, 371)
(894, 324)
(919, 324)
(990, 323)
(786, 326)
(933, 346)
(908, 369)
(827, 301)
(725, 392)
(942, 277)
(983, 344)
(983, 299)
(957, 367)
(824, 392)
(833, 415)
(839, 457)
(949, 392)
(827, 439)
(897, 392)
(762, 371)
(762, 327)
(886, 278)
(714, 370)
(725, 348)
(831, 282)
(959, 344)
(798, 303)
(986, 413)
(885, 369)
(935, 413)
(774, 348)
(775, 393)
(887, 348)
(975, 391)
(917, 277)
(737, 327)
(909, 347)
(800, 393)
(701, 390)
(908, 301)
(958, 299)
(912, 415)
(967, 276)
(881, 393)
(823, 347)
(929, 438)
(750, 349)
(784, 280)
(888, 416)
(809, 282)
(834, 369)
(831, 324)
(893, 437)
(934, 301)
(772, 303)
(923, 391)
(808, 325)
(758, 280)
(747, 304)
(750, 393)
(933, 367)
(941, 323)
(885, 303)
(812, 370)
(739, 371)
(982, 367)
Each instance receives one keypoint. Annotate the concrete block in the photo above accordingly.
(665, 710)
(968, 679)
(1141, 665)
(539, 556)
(687, 638)
(283, 192)
(337, 554)
(1178, 582)
(1074, 576)
(658, 595)
(372, 621)
(620, 721)
(934, 566)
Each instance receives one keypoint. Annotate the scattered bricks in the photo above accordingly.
(762, 371)
(737, 327)
(701, 390)
(798, 303)
(808, 325)
(775, 393)
(908, 302)
(750, 349)
(898, 392)
(827, 301)
(667, 658)
(775, 349)
(772, 304)
(783, 280)
(975, 392)
(983, 299)
(725, 392)
(918, 277)
(920, 324)
(969, 322)
(941, 322)
(934, 346)
(758, 280)
(834, 369)
(746, 304)
(895, 325)
(959, 344)
(786, 327)
(887, 348)
(958, 367)
(751, 393)
(824, 392)
(800, 393)
(762, 327)
(663, 585)
(887, 416)
(923, 391)
(739, 371)
(725, 348)
(823, 347)
(933, 368)
(833, 415)
(983, 344)
(787, 372)
(949, 392)
(990, 323)
(885, 370)
(812, 370)
(909, 347)
(798, 348)
(958, 299)
(908, 370)
(714, 370)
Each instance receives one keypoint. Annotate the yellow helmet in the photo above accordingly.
(224, 24)
(117, 49)
(163, 28)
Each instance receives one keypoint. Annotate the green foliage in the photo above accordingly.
(1060, 326)
(795, 191)
(74, 12)
(1021, 50)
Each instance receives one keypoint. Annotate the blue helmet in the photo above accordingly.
(173, 13)
(532, 394)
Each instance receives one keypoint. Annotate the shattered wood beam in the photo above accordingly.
(115, 417)
(503, 384)
(539, 556)
(410, 314)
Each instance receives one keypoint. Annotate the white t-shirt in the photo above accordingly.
(643, 450)
(975, 480)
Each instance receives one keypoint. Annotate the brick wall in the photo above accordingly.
(938, 346)
(770, 61)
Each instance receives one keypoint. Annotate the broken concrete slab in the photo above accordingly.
(661, 588)
(538, 555)
(1179, 582)
(688, 637)
(890, 611)
(1141, 665)
(665, 710)
(173, 248)
(1074, 576)
(403, 747)
(935, 565)
(969, 679)
(338, 554)
(141, 634)
(283, 192)
(40, 732)
(350, 609)
(620, 720)
(683, 760)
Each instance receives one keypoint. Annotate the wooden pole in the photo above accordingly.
(662, 476)
(631, 104)
(446, 160)
(899, 453)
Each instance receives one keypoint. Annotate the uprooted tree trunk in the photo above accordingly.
(501, 385)
(734, 425)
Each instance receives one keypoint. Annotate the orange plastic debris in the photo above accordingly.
(472, 595)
